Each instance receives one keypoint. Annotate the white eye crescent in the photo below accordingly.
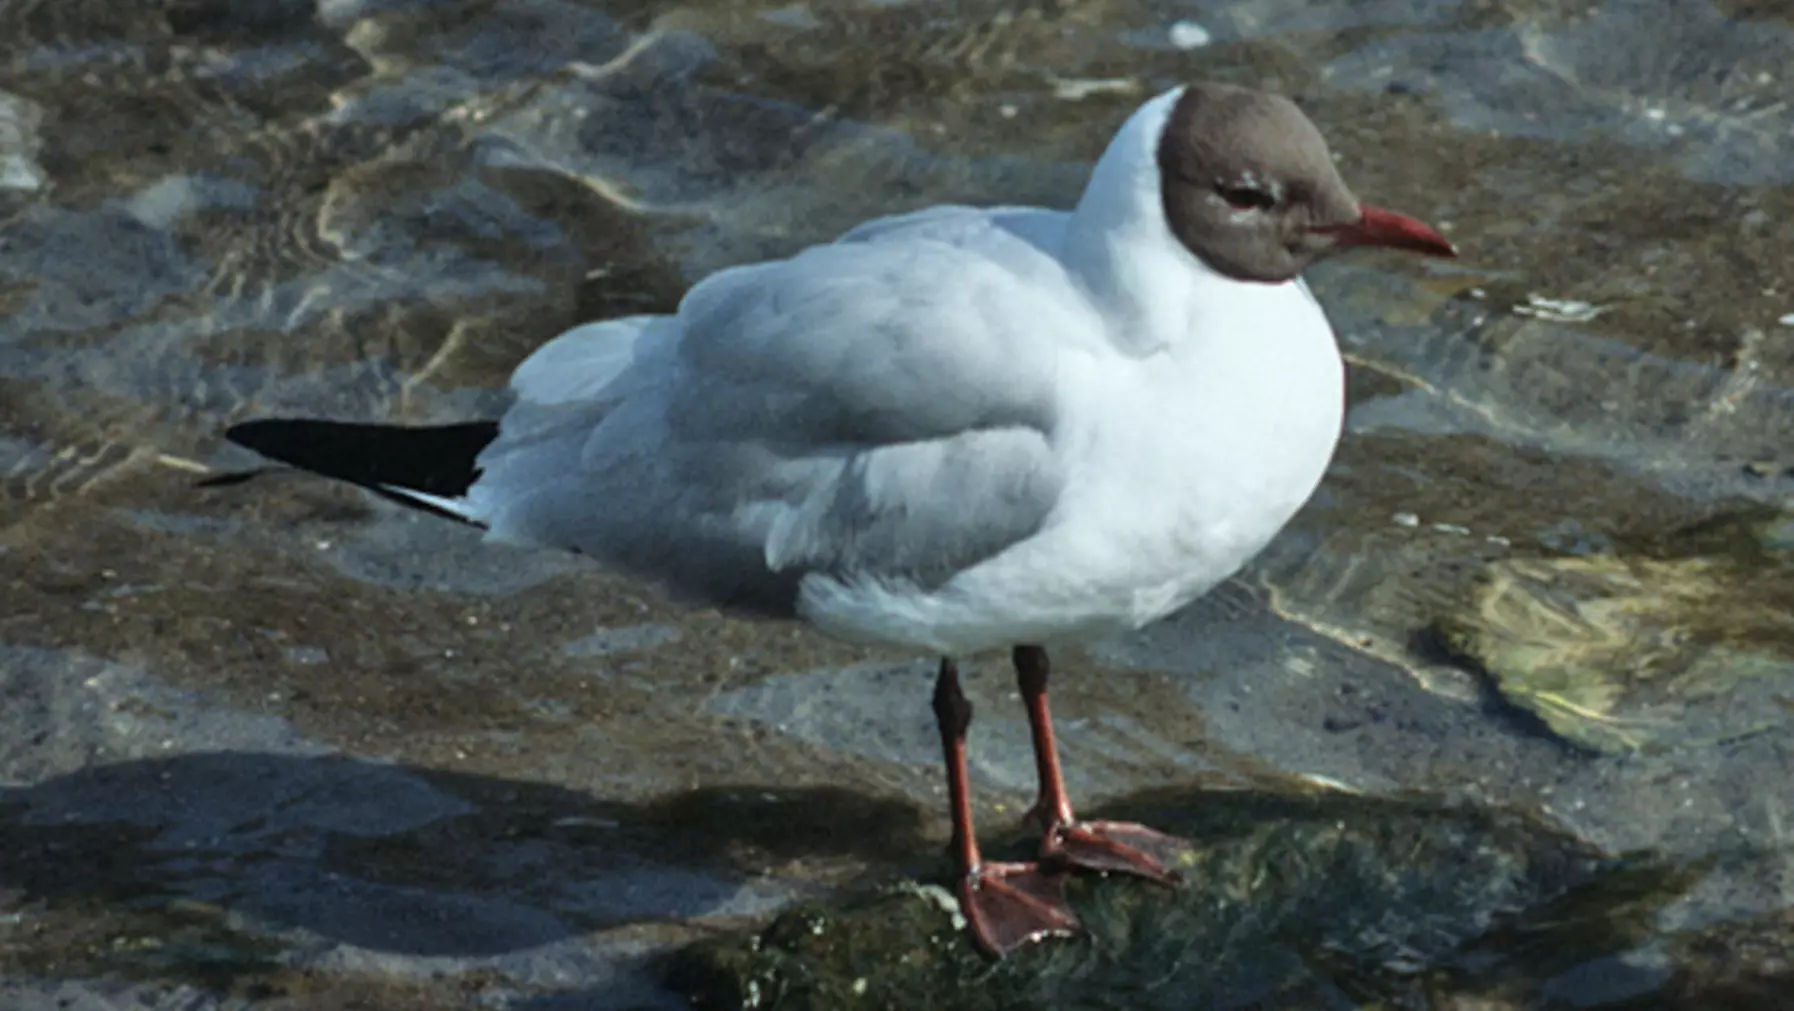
(1246, 198)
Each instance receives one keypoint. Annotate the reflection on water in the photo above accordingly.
(282, 740)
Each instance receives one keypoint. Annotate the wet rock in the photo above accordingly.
(1618, 653)
(416, 770)
(1623, 70)
(1746, 965)
(1288, 902)
(19, 143)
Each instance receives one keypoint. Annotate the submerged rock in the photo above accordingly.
(1288, 902)
(1746, 965)
(1616, 653)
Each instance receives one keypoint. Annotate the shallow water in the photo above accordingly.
(280, 743)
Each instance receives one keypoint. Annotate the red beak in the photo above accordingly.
(1378, 227)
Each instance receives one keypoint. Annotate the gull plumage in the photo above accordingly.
(953, 430)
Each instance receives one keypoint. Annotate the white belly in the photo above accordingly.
(1180, 468)
(1160, 521)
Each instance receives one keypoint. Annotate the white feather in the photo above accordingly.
(451, 506)
(580, 364)
(952, 430)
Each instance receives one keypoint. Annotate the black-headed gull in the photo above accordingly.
(951, 431)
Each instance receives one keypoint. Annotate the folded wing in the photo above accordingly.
(881, 408)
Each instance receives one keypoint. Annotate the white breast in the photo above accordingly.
(1185, 464)
(1181, 466)
(1193, 422)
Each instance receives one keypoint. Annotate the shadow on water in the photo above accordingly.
(208, 868)
(231, 871)
(411, 860)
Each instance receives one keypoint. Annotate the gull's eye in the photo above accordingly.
(1246, 198)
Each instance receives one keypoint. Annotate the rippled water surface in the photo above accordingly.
(1502, 721)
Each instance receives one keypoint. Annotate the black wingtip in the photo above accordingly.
(437, 460)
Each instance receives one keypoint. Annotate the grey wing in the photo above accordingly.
(917, 380)
(920, 512)
(916, 335)
(740, 521)
(871, 411)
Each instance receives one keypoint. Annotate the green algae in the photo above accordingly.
(1289, 902)
(1610, 651)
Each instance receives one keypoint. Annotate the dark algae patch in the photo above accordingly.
(1288, 902)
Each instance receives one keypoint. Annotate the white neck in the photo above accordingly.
(1120, 246)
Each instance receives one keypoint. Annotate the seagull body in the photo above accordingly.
(952, 431)
(959, 429)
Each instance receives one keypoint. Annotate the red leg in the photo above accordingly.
(1098, 845)
(1006, 905)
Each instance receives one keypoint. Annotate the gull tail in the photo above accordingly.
(428, 468)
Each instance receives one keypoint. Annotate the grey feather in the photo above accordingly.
(868, 409)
